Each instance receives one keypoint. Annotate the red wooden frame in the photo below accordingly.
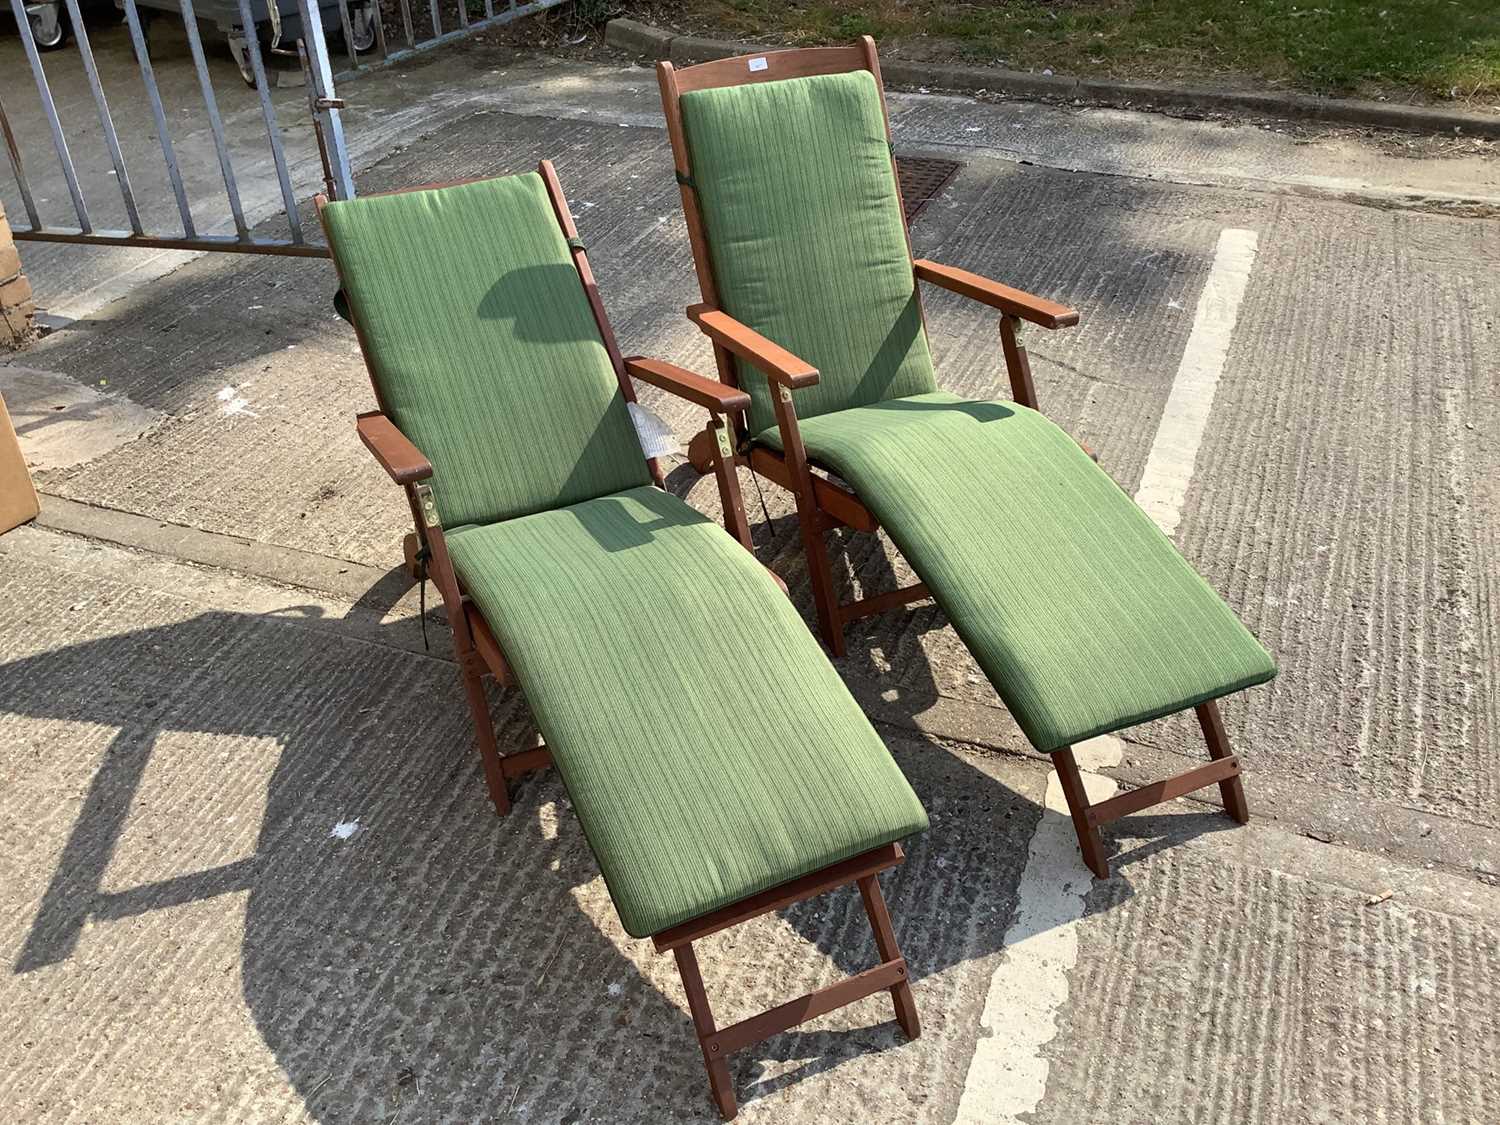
(479, 654)
(823, 502)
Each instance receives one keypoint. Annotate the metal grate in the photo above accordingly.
(922, 180)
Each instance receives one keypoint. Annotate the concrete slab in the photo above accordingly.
(1229, 979)
(60, 422)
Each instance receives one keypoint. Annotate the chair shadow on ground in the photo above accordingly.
(481, 953)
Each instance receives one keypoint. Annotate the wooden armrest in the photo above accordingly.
(402, 460)
(712, 395)
(774, 361)
(1014, 302)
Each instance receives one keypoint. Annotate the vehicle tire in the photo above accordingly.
(362, 22)
(50, 26)
(241, 54)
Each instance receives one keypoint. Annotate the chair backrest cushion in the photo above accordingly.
(484, 348)
(805, 235)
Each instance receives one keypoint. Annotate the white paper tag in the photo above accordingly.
(655, 436)
(758, 63)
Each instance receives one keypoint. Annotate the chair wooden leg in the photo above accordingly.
(1089, 839)
(703, 1023)
(885, 943)
(820, 572)
(1230, 789)
(718, 1043)
(484, 732)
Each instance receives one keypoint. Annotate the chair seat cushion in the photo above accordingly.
(710, 749)
(1080, 611)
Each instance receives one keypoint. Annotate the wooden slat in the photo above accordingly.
(486, 645)
(1013, 302)
(1158, 791)
(867, 607)
(883, 976)
(524, 761)
(797, 63)
(833, 499)
(766, 356)
(847, 871)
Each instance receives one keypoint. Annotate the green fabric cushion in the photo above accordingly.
(1079, 610)
(710, 749)
(481, 341)
(806, 237)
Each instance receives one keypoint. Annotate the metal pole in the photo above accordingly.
(153, 95)
(111, 138)
(348, 28)
(195, 45)
(59, 142)
(268, 113)
(380, 30)
(15, 166)
(325, 104)
(411, 40)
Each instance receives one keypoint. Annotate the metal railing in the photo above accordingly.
(366, 43)
(378, 51)
(323, 105)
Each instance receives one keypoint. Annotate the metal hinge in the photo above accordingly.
(328, 103)
(726, 450)
(427, 504)
(784, 392)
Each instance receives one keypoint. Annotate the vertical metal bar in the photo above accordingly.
(268, 113)
(106, 122)
(489, 9)
(15, 166)
(195, 45)
(331, 126)
(380, 31)
(437, 23)
(348, 34)
(153, 95)
(59, 142)
(463, 13)
(312, 109)
(411, 40)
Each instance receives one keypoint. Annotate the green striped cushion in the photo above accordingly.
(482, 343)
(710, 749)
(1079, 610)
(806, 237)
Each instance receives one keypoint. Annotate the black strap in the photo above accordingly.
(576, 243)
(684, 179)
(423, 554)
(341, 305)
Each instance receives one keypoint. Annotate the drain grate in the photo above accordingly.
(922, 179)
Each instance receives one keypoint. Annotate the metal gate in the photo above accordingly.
(255, 29)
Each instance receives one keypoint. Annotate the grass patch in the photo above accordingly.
(1443, 49)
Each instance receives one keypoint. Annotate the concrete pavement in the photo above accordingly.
(205, 667)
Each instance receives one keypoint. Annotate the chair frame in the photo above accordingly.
(825, 503)
(479, 654)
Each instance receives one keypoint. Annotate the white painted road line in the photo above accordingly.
(1169, 468)
(1007, 1076)
(1008, 1073)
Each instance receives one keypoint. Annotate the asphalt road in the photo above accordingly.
(206, 667)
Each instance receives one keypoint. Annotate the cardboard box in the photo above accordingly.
(18, 502)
